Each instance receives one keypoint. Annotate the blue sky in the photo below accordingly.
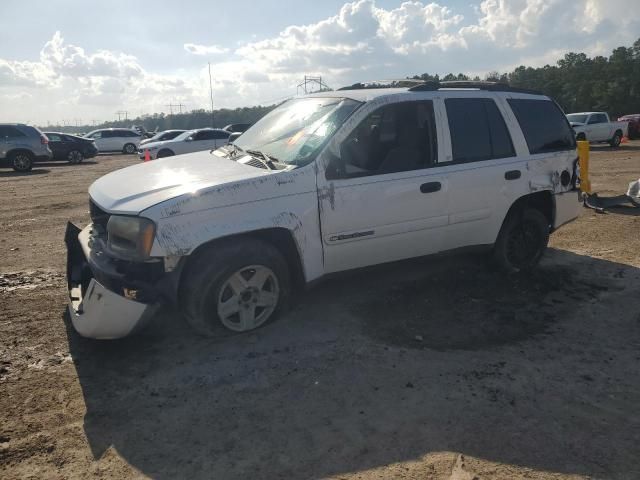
(86, 60)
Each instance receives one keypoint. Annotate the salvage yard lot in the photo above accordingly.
(435, 368)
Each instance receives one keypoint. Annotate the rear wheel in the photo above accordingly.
(129, 149)
(75, 157)
(239, 286)
(165, 153)
(616, 140)
(522, 240)
(21, 161)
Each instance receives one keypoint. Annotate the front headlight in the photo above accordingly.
(130, 236)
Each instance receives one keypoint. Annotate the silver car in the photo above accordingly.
(22, 145)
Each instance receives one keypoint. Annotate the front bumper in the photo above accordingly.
(97, 311)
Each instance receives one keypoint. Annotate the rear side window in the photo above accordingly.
(10, 132)
(544, 126)
(219, 134)
(478, 131)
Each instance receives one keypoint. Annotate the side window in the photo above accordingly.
(478, 131)
(130, 133)
(54, 137)
(544, 126)
(10, 132)
(204, 135)
(108, 134)
(398, 137)
(220, 135)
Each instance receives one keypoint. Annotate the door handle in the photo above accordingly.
(512, 174)
(430, 187)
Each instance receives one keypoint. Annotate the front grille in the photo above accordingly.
(98, 216)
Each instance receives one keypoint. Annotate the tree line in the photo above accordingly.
(577, 82)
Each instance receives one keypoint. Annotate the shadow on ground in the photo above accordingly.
(385, 366)
(13, 173)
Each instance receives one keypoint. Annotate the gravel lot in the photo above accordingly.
(435, 368)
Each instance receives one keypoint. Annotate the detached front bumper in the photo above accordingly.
(97, 311)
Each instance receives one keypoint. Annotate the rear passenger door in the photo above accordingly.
(221, 137)
(483, 169)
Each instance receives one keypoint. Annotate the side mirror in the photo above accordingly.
(189, 139)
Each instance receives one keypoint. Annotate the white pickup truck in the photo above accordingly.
(322, 184)
(596, 127)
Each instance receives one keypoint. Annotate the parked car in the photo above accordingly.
(237, 127)
(322, 184)
(22, 145)
(596, 127)
(70, 147)
(162, 136)
(186, 142)
(633, 122)
(123, 140)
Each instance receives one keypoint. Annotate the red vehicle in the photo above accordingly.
(634, 124)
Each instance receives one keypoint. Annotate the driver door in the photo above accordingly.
(383, 198)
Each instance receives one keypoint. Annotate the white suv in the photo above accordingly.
(322, 184)
(123, 140)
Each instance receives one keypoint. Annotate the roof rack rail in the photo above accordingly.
(431, 85)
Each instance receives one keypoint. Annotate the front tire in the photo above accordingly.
(238, 285)
(75, 157)
(129, 149)
(21, 161)
(616, 140)
(522, 240)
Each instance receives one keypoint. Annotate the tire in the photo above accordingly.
(522, 240)
(129, 149)
(225, 285)
(21, 161)
(616, 140)
(165, 153)
(75, 157)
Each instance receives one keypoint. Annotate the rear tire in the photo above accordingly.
(21, 161)
(616, 140)
(241, 285)
(165, 153)
(129, 149)
(75, 157)
(522, 240)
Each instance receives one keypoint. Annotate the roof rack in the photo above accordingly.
(431, 85)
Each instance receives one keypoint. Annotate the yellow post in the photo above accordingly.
(583, 154)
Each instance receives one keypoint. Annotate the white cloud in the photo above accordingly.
(362, 41)
(196, 49)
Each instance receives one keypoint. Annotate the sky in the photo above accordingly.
(71, 61)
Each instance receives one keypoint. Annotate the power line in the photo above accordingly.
(120, 113)
(211, 93)
(311, 84)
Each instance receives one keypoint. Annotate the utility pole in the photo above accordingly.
(177, 105)
(211, 94)
(122, 112)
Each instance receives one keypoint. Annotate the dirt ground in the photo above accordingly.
(437, 368)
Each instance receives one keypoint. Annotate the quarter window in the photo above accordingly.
(478, 131)
(543, 124)
(395, 138)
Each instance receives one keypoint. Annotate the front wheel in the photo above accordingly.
(129, 149)
(239, 286)
(75, 157)
(616, 140)
(522, 240)
(21, 161)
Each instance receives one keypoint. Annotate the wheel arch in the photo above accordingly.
(280, 238)
(16, 150)
(541, 200)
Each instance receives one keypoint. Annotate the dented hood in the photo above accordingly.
(133, 189)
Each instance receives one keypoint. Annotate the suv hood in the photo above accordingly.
(134, 189)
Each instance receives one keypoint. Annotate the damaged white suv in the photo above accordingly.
(324, 183)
